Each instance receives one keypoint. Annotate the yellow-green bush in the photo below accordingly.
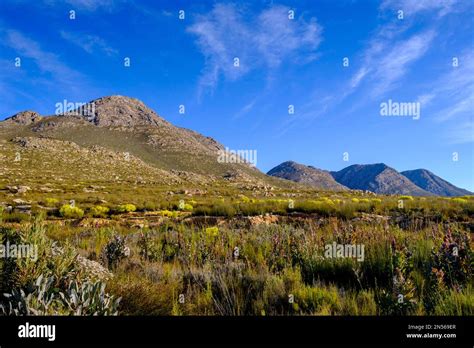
(126, 208)
(71, 212)
(99, 211)
(168, 213)
(187, 207)
(459, 200)
(408, 198)
(50, 202)
(212, 231)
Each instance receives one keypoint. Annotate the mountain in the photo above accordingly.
(24, 118)
(317, 178)
(432, 183)
(115, 140)
(378, 178)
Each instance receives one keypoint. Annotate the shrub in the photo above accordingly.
(50, 202)
(459, 200)
(115, 251)
(407, 198)
(244, 199)
(168, 213)
(126, 208)
(212, 231)
(71, 212)
(355, 200)
(43, 298)
(187, 207)
(148, 248)
(99, 211)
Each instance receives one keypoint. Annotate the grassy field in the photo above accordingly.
(224, 251)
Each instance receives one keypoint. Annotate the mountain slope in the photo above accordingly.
(144, 147)
(378, 178)
(433, 183)
(306, 175)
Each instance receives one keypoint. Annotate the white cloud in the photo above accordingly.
(412, 7)
(47, 62)
(87, 5)
(54, 74)
(265, 40)
(392, 66)
(455, 91)
(89, 43)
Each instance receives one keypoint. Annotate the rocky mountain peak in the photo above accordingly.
(118, 110)
(310, 175)
(25, 117)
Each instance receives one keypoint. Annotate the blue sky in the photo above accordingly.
(282, 62)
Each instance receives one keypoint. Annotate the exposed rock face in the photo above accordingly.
(378, 178)
(24, 118)
(119, 111)
(433, 183)
(307, 175)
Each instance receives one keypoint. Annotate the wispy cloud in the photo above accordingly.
(392, 66)
(455, 90)
(266, 40)
(47, 62)
(88, 5)
(53, 73)
(413, 7)
(89, 43)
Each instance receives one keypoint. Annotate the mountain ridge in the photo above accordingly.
(429, 181)
(125, 125)
(378, 178)
(315, 177)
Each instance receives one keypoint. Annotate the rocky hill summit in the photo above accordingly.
(433, 183)
(378, 178)
(310, 175)
(24, 118)
(119, 111)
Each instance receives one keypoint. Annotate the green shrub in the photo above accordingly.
(50, 202)
(43, 298)
(71, 212)
(168, 213)
(459, 200)
(115, 251)
(187, 207)
(212, 231)
(126, 208)
(99, 211)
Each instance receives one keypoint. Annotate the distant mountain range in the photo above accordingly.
(307, 175)
(118, 139)
(432, 183)
(378, 178)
